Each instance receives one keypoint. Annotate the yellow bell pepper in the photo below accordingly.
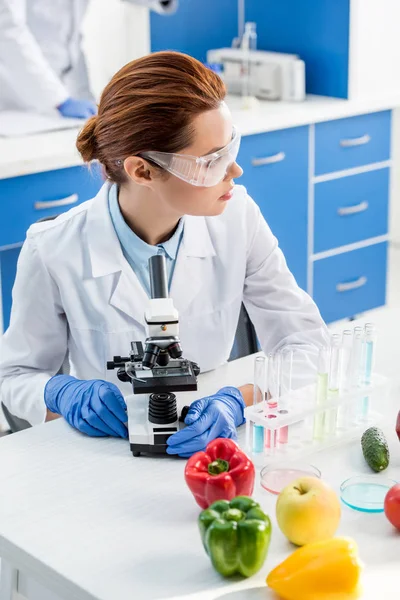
(328, 570)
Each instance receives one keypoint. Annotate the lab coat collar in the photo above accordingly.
(106, 257)
(105, 251)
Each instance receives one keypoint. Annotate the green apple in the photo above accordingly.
(308, 510)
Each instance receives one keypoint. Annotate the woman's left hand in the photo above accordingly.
(209, 418)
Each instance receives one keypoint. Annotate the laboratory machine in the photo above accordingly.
(156, 371)
(264, 75)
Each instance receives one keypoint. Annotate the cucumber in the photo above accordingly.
(375, 449)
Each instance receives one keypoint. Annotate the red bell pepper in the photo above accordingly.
(222, 472)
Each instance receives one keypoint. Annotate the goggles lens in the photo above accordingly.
(204, 171)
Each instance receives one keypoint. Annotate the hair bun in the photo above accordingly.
(87, 141)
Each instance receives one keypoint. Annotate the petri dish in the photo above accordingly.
(274, 478)
(366, 493)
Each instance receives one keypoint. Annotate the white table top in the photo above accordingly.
(89, 521)
(56, 150)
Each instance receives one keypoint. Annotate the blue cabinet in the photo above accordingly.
(351, 283)
(353, 142)
(351, 209)
(27, 199)
(275, 174)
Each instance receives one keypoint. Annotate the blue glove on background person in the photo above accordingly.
(209, 418)
(78, 109)
(95, 407)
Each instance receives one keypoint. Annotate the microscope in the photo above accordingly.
(156, 371)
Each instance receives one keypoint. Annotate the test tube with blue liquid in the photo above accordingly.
(259, 398)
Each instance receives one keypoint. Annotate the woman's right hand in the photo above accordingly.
(95, 407)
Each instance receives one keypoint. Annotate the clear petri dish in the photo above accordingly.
(274, 478)
(366, 493)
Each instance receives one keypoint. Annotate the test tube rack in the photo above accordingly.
(297, 421)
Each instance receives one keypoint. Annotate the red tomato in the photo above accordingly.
(392, 505)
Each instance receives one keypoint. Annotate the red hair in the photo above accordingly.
(149, 105)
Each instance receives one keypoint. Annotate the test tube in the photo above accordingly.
(347, 346)
(357, 357)
(271, 404)
(285, 388)
(321, 395)
(334, 381)
(259, 397)
(369, 347)
(345, 375)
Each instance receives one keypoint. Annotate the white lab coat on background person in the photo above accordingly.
(75, 292)
(41, 58)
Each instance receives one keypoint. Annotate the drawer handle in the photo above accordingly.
(353, 210)
(359, 141)
(352, 285)
(73, 199)
(268, 160)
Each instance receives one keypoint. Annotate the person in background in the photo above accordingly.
(42, 65)
(165, 138)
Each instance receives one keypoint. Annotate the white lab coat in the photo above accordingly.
(41, 58)
(76, 292)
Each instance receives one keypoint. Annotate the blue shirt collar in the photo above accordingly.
(131, 242)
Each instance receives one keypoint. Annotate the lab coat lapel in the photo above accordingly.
(192, 266)
(106, 259)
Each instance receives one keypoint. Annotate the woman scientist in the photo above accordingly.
(166, 141)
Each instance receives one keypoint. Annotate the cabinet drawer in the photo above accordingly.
(351, 209)
(26, 199)
(275, 169)
(353, 142)
(350, 283)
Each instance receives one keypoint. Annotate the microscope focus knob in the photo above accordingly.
(123, 375)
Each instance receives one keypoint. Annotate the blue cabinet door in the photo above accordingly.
(197, 26)
(351, 209)
(26, 199)
(8, 269)
(351, 283)
(352, 142)
(276, 176)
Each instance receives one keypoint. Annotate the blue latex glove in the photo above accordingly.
(95, 407)
(78, 109)
(209, 418)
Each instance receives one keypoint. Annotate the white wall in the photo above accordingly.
(374, 48)
(115, 32)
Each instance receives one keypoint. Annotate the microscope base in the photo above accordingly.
(149, 450)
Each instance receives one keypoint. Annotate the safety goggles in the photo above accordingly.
(204, 171)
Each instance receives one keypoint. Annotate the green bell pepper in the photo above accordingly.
(235, 535)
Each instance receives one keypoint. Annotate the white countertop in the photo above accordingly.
(89, 521)
(45, 152)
